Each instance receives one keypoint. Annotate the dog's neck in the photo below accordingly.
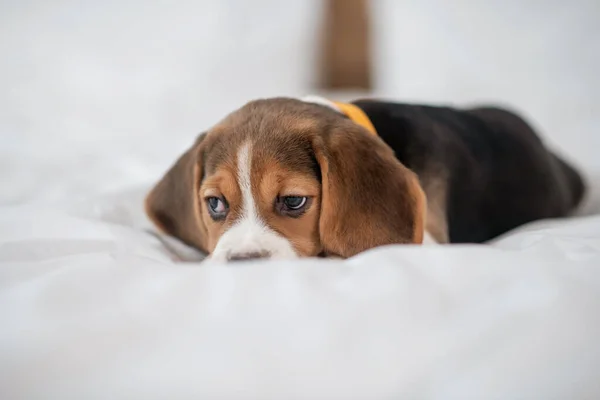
(353, 112)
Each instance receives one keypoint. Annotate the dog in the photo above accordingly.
(285, 178)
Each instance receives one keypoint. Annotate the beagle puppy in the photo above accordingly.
(286, 178)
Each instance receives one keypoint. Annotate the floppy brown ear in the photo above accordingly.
(369, 198)
(173, 204)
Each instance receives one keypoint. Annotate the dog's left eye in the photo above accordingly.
(292, 206)
(294, 202)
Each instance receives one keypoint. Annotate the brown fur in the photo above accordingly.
(361, 195)
(369, 198)
(272, 180)
(172, 204)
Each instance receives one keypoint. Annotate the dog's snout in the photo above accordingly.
(245, 256)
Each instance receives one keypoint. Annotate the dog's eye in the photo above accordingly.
(292, 206)
(217, 207)
(294, 202)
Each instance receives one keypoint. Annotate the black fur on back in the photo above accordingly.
(497, 172)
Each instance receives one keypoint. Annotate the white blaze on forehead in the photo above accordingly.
(244, 176)
(250, 234)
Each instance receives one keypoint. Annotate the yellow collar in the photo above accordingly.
(357, 115)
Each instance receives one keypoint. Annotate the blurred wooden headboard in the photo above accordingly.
(346, 50)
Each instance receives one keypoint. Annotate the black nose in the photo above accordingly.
(245, 256)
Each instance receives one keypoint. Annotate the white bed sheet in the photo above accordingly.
(94, 306)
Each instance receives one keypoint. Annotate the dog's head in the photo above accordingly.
(284, 178)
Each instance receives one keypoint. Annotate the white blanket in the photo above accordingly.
(95, 307)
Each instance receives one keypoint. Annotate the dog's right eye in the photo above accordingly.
(217, 208)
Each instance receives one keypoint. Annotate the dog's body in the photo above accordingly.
(285, 178)
(484, 170)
